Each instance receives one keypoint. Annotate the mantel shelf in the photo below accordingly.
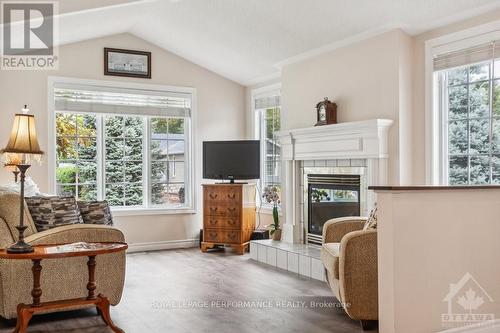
(360, 139)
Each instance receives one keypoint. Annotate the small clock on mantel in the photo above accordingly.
(327, 112)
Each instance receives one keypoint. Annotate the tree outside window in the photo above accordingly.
(123, 140)
(76, 139)
(473, 113)
(270, 123)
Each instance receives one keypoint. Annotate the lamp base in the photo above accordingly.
(20, 247)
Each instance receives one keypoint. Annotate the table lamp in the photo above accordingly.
(22, 141)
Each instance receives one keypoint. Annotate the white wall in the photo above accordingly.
(221, 115)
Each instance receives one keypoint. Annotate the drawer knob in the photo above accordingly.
(213, 234)
(231, 209)
(213, 195)
(231, 195)
(231, 222)
(213, 222)
(213, 209)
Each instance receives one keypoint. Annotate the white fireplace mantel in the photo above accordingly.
(359, 139)
(367, 140)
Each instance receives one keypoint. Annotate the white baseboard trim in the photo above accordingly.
(163, 245)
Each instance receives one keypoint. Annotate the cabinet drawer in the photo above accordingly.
(222, 194)
(221, 236)
(232, 236)
(212, 235)
(222, 222)
(222, 210)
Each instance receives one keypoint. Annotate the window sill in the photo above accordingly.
(150, 211)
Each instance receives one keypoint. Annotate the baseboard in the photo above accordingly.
(163, 245)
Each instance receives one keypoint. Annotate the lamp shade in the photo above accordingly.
(23, 138)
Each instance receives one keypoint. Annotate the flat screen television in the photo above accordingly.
(231, 160)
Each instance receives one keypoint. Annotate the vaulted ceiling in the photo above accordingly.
(248, 40)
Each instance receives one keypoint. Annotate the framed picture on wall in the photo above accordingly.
(130, 63)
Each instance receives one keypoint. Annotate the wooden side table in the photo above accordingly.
(26, 311)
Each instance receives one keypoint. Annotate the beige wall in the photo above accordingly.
(220, 115)
(367, 80)
(422, 252)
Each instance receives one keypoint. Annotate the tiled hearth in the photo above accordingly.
(301, 259)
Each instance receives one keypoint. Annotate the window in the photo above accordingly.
(268, 121)
(131, 148)
(167, 155)
(469, 98)
(76, 138)
(123, 137)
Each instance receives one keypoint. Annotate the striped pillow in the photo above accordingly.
(51, 212)
(95, 212)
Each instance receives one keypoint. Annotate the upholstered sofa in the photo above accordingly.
(61, 278)
(349, 255)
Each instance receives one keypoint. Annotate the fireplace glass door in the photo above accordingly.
(331, 196)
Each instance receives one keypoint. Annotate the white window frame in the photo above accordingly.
(436, 153)
(191, 179)
(268, 90)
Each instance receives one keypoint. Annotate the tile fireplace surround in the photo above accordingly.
(347, 148)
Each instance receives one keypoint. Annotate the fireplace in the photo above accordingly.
(330, 193)
(350, 148)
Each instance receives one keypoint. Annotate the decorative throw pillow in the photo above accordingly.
(371, 223)
(51, 212)
(95, 212)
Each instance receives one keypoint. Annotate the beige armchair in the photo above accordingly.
(349, 255)
(61, 278)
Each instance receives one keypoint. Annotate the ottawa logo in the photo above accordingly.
(466, 299)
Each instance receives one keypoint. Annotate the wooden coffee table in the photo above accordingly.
(26, 311)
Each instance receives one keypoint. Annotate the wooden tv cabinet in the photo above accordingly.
(228, 215)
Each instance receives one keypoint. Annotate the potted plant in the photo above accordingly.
(271, 196)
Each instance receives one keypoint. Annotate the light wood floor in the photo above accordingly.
(174, 291)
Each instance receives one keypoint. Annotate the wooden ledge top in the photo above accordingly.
(432, 187)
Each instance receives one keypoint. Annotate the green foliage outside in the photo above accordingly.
(470, 123)
(76, 154)
(272, 122)
(123, 165)
(123, 142)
